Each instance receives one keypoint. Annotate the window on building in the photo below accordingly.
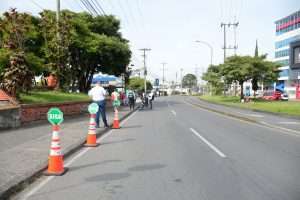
(297, 55)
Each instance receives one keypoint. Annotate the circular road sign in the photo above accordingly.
(55, 116)
(93, 108)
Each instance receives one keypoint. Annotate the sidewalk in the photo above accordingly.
(284, 123)
(24, 151)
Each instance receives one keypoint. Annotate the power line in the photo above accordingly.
(77, 2)
(87, 6)
(123, 10)
(95, 8)
(36, 4)
(100, 7)
(92, 7)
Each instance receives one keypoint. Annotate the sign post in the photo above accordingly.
(93, 108)
(91, 140)
(55, 116)
(55, 164)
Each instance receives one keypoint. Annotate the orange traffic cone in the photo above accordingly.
(55, 163)
(91, 137)
(116, 124)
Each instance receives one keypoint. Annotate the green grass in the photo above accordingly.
(34, 97)
(282, 107)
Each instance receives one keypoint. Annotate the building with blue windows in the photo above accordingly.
(287, 53)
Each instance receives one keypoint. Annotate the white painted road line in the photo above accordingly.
(289, 123)
(69, 162)
(208, 143)
(251, 115)
(174, 113)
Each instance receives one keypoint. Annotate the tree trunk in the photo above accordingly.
(242, 89)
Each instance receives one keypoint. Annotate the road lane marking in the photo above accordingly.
(174, 113)
(208, 143)
(289, 123)
(69, 162)
(251, 115)
(262, 124)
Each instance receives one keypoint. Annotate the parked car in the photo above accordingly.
(272, 95)
(284, 96)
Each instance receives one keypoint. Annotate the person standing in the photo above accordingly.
(151, 98)
(131, 98)
(98, 94)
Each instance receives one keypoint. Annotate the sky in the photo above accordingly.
(171, 27)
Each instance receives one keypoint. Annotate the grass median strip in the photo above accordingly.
(278, 107)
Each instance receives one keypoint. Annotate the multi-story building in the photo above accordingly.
(287, 53)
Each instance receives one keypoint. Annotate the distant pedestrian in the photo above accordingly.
(98, 94)
(131, 98)
(151, 98)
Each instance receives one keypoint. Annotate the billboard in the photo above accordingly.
(156, 83)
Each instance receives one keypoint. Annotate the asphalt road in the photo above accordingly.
(178, 151)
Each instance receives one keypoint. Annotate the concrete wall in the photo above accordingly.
(15, 116)
(9, 117)
(37, 112)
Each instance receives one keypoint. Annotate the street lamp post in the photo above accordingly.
(211, 49)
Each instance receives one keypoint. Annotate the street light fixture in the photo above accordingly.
(211, 49)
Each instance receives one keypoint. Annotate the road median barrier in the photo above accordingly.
(91, 140)
(55, 160)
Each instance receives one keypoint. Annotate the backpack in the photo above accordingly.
(130, 95)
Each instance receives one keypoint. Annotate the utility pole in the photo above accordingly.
(197, 74)
(57, 18)
(181, 70)
(225, 47)
(234, 28)
(145, 68)
(58, 60)
(163, 70)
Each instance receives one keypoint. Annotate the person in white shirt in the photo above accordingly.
(98, 94)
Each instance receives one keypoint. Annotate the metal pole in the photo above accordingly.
(181, 80)
(145, 69)
(211, 50)
(224, 42)
(163, 69)
(57, 18)
(145, 74)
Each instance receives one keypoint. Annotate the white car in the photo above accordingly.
(284, 97)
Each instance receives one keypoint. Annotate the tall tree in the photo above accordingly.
(56, 49)
(213, 77)
(237, 68)
(16, 75)
(189, 81)
(137, 84)
(254, 80)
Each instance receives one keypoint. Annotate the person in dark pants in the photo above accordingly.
(101, 112)
(131, 98)
(98, 94)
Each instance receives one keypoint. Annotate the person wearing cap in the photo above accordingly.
(98, 94)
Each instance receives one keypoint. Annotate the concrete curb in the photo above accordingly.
(223, 113)
(67, 152)
(296, 133)
(254, 110)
